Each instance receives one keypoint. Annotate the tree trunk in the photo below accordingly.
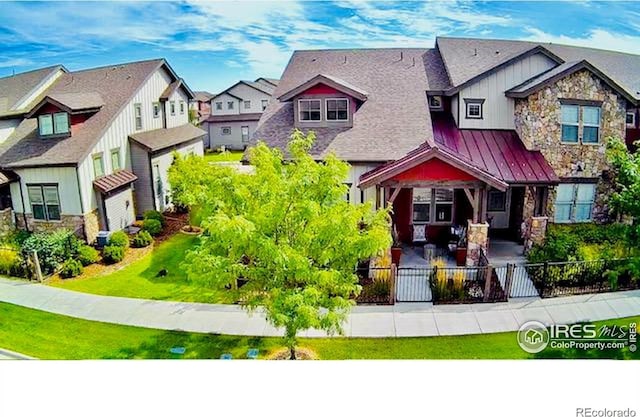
(292, 350)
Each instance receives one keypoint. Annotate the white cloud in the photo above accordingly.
(595, 38)
(15, 62)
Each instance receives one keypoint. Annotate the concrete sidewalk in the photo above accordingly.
(9, 354)
(401, 320)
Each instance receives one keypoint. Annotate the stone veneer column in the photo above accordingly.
(536, 232)
(477, 240)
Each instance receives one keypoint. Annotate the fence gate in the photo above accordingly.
(412, 285)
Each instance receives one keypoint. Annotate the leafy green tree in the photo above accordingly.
(284, 238)
(626, 196)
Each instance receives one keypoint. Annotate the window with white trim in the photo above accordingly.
(309, 110)
(264, 104)
(435, 102)
(630, 119)
(496, 200)
(574, 202)
(473, 108)
(337, 109)
(45, 201)
(218, 105)
(578, 118)
(156, 110)
(570, 123)
(590, 124)
(181, 107)
(98, 165)
(432, 205)
(225, 130)
(247, 104)
(444, 205)
(229, 105)
(115, 160)
(172, 107)
(53, 124)
(422, 205)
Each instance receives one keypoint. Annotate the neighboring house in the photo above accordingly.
(201, 103)
(93, 148)
(235, 113)
(485, 134)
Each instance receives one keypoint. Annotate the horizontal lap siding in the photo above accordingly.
(67, 182)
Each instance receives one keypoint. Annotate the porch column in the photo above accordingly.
(536, 232)
(477, 241)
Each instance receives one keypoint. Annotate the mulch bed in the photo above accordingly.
(174, 222)
(301, 354)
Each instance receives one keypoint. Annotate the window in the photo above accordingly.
(444, 205)
(218, 105)
(137, 113)
(98, 165)
(172, 107)
(309, 110)
(245, 134)
(631, 119)
(53, 124)
(337, 109)
(181, 107)
(421, 204)
(115, 160)
(574, 202)
(435, 102)
(226, 130)
(229, 105)
(590, 124)
(247, 104)
(45, 202)
(473, 108)
(497, 200)
(264, 104)
(156, 110)
(570, 123)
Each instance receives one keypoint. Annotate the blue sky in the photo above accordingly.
(212, 44)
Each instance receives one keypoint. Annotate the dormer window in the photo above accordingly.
(473, 108)
(435, 102)
(309, 110)
(337, 109)
(53, 124)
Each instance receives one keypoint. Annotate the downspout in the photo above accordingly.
(24, 214)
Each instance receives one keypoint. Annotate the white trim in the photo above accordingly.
(440, 107)
(633, 123)
(326, 108)
(300, 100)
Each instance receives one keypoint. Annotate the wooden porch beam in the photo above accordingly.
(396, 191)
(434, 184)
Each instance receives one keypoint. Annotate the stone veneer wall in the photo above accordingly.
(85, 227)
(6, 221)
(537, 121)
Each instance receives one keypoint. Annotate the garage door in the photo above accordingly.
(119, 208)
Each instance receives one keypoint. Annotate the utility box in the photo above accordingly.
(102, 239)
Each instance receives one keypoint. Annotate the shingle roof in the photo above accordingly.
(108, 183)
(329, 80)
(16, 87)
(158, 139)
(202, 96)
(263, 87)
(394, 119)
(116, 84)
(466, 58)
(171, 88)
(71, 102)
(242, 117)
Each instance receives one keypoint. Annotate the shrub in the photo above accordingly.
(87, 255)
(71, 268)
(119, 238)
(141, 239)
(113, 254)
(153, 226)
(156, 215)
(52, 248)
(11, 262)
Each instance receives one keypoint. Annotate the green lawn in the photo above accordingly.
(51, 336)
(228, 156)
(140, 279)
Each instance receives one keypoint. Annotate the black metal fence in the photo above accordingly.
(378, 285)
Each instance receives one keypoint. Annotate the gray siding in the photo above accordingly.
(119, 209)
(232, 141)
(140, 167)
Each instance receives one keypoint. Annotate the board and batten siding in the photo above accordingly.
(140, 165)
(354, 178)
(64, 177)
(117, 135)
(224, 98)
(120, 209)
(163, 161)
(498, 110)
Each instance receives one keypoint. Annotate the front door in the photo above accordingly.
(516, 215)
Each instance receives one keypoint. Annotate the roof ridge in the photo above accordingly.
(118, 65)
(33, 70)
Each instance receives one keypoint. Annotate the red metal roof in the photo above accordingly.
(110, 182)
(500, 153)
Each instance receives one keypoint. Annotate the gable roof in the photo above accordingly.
(262, 87)
(395, 82)
(171, 88)
(202, 96)
(331, 81)
(116, 84)
(467, 59)
(273, 81)
(71, 102)
(561, 71)
(15, 88)
(158, 139)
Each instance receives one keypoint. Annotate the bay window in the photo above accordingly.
(45, 201)
(574, 202)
